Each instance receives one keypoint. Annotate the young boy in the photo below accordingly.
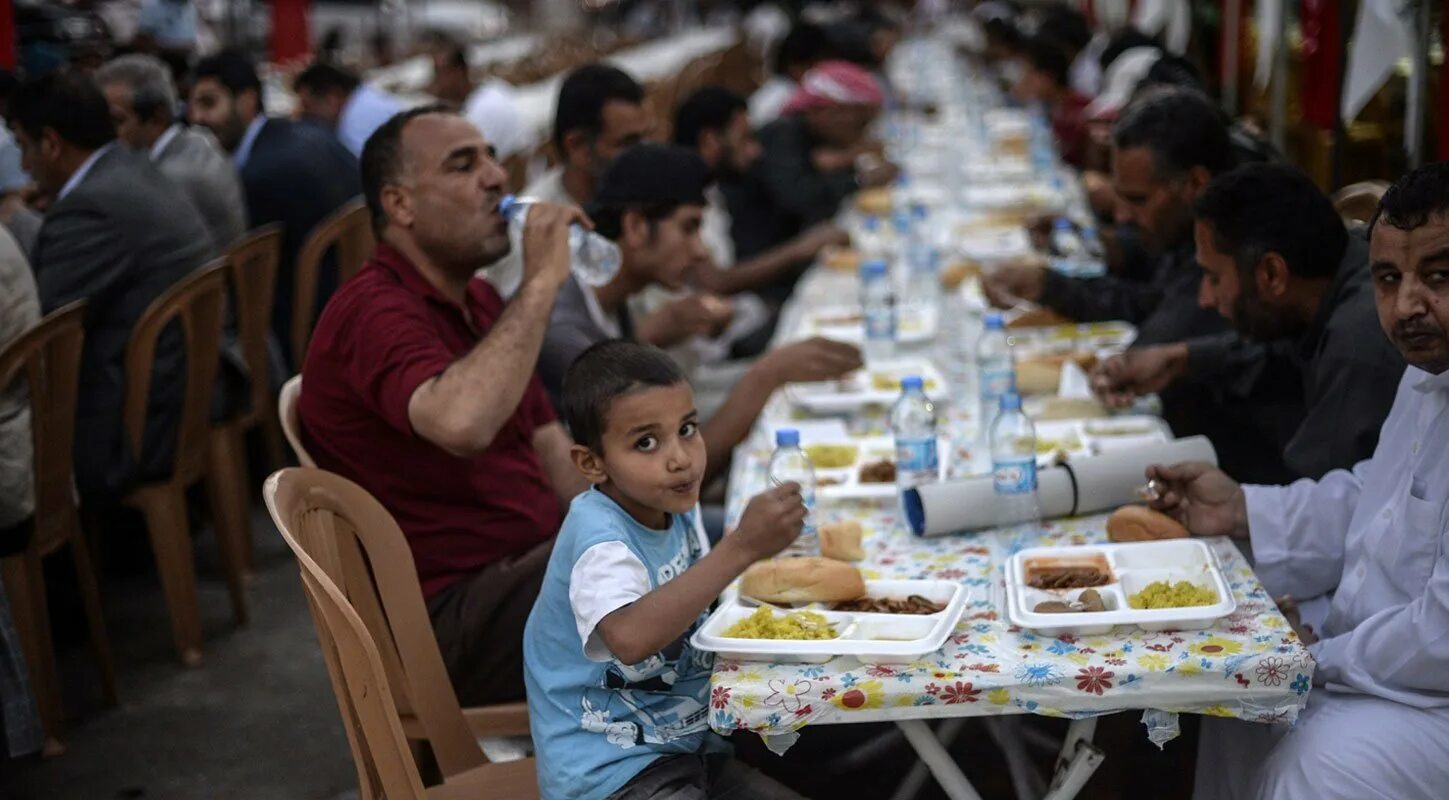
(618, 701)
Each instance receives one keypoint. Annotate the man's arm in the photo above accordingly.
(553, 445)
(81, 255)
(799, 190)
(462, 409)
(1098, 299)
(770, 265)
(1299, 531)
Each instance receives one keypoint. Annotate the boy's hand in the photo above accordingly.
(771, 521)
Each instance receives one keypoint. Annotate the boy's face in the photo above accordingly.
(653, 454)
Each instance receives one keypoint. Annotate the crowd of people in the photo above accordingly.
(546, 456)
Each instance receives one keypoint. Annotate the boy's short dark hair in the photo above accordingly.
(602, 374)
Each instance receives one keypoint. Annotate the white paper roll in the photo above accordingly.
(1103, 482)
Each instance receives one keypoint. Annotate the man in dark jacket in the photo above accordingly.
(295, 173)
(117, 234)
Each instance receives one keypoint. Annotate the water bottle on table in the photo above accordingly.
(790, 464)
(878, 306)
(923, 286)
(595, 259)
(995, 370)
(913, 423)
(1013, 464)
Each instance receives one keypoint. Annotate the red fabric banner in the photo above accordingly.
(290, 37)
(1322, 62)
(1441, 119)
(8, 44)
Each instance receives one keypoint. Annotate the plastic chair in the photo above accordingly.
(287, 401)
(352, 550)
(349, 230)
(48, 357)
(196, 303)
(1357, 203)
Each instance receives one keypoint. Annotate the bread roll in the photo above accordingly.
(1071, 408)
(841, 541)
(843, 259)
(802, 580)
(875, 201)
(1041, 375)
(1142, 524)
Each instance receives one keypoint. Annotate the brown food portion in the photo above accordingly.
(1077, 573)
(878, 472)
(828, 481)
(915, 604)
(1087, 602)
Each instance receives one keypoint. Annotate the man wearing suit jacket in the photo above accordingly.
(117, 234)
(295, 173)
(143, 105)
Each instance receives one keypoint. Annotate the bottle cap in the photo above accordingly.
(872, 222)
(787, 437)
(1062, 224)
(1011, 401)
(995, 322)
(912, 383)
(508, 206)
(873, 268)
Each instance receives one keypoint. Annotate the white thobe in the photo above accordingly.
(1378, 725)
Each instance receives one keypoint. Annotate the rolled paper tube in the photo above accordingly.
(1103, 482)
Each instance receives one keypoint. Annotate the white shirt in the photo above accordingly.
(244, 149)
(365, 111)
(714, 229)
(494, 109)
(84, 169)
(1375, 536)
(766, 102)
(159, 146)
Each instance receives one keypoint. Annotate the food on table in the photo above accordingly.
(1054, 607)
(1037, 317)
(1078, 572)
(889, 382)
(1053, 408)
(843, 259)
(876, 200)
(831, 456)
(1043, 374)
(1066, 443)
(807, 579)
(1088, 602)
(914, 604)
(1109, 429)
(956, 273)
(841, 540)
(1161, 594)
(828, 481)
(764, 624)
(883, 471)
(839, 320)
(1091, 601)
(1142, 524)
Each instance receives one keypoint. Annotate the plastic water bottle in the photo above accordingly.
(995, 370)
(790, 464)
(923, 283)
(1065, 240)
(872, 239)
(878, 304)
(595, 259)
(1013, 464)
(913, 423)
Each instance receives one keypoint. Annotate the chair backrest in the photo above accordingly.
(287, 401)
(349, 534)
(1358, 202)
(197, 302)
(252, 270)
(48, 356)
(349, 230)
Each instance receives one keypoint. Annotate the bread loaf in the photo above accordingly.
(802, 580)
(1142, 524)
(841, 541)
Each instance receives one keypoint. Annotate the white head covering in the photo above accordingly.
(1121, 79)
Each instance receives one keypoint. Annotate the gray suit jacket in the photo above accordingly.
(119, 239)
(197, 164)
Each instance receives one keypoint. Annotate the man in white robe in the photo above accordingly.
(1377, 720)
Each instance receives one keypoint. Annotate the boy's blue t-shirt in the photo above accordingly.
(597, 723)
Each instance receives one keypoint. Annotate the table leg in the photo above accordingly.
(916, 777)
(943, 768)
(1006, 733)
(1079, 759)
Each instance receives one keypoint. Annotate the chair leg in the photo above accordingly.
(226, 486)
(85, 571)
(166, 524)
(25, 586)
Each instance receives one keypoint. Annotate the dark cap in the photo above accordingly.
(654, 174)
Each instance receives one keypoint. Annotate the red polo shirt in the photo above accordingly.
(382, 335)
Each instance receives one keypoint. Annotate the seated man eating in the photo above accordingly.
(1378, 723)
(419, 386)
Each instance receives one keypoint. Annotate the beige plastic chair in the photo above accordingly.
(48, 358)
(1357, 203)
(287, 401)
(349, 231)
(345, 536)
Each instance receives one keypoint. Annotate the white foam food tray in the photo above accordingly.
(1090, 336)
(871, 638)
(844, 483)
(914, 323)
(1133, 567)
(878, 384)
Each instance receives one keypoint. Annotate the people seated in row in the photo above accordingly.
(144, 105)
(1373, 539)
(802, 48)
(419, 385)
(293, 173)
(339, 101)
(1046, 81)
(1278, 263)
(650, 202)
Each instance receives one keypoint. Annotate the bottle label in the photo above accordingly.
(880, 321)
(997, 382)
(917, 455)
(1014, 477)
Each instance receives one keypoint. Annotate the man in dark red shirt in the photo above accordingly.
(1045, 79)
(419, 384)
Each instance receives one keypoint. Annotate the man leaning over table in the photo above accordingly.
(419, 384)
(1378, 724)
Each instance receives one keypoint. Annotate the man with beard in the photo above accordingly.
(419, 385)
(1377, 725)
(1278, 264)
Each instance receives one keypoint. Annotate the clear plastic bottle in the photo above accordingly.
(995, 369)
(872, 240)
(1013, 464)
(595, 260)
(1065, 240)
(923, 284)
(878, 304)
(790, 464)
(913, 423)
